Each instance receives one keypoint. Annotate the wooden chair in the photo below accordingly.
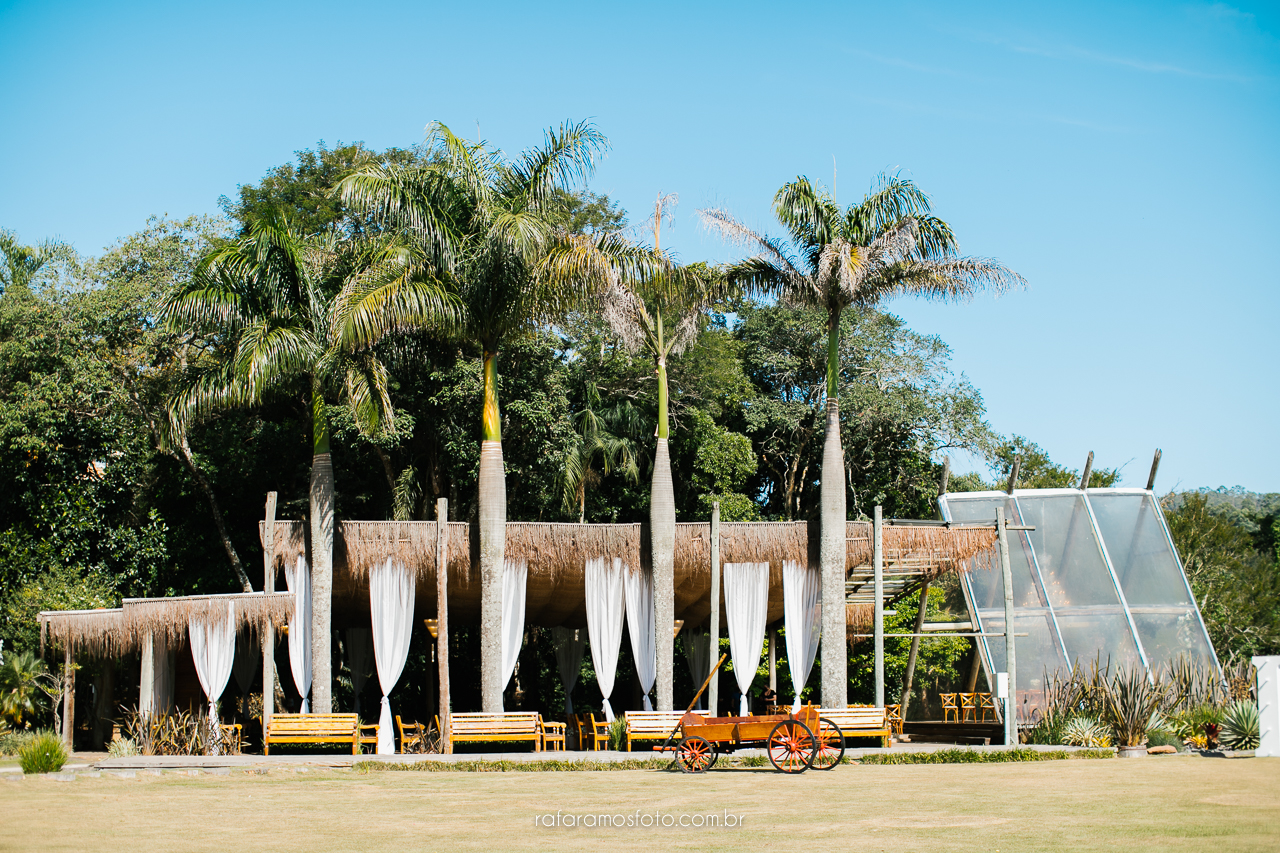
(594, 732)
(553, 735)
(950, 710)
(413, 736)
(893, 717)
(986, 707)
(968, 707)
(231, 738)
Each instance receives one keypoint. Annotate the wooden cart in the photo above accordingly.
(794, 742)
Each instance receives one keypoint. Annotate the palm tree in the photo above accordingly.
(489, 222)
(290, 310)
(19, 264)
(886, 245)
(603, 435)
(661, 314)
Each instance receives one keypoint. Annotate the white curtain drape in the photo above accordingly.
(359, 660)
(746, 604)
(161, 697)
(248, 656)
(298, 579)
(605, 611)
(802, 609)
(697, 648)
(213, 648)
(644, 642)
(569, 644)
(391, 607)
(515, 576)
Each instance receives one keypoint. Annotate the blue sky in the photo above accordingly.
(1122, 157)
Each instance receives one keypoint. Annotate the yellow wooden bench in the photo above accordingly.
(861, 721)
(650, 725)
(509, 726)
(316, 728)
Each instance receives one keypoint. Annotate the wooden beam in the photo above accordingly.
(1088, 472)
(915, 650)
(1155, 466)
(1011, 660)
(269, 630)
(877, 551)
(713, 690)
(442, 623)
(68, 698)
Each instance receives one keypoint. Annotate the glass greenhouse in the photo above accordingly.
(1098, 579)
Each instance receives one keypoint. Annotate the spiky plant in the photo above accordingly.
(298, 313)
(1241, 726)
(1129, 701)
(885, 245)
(1085, 731)
(489, 223)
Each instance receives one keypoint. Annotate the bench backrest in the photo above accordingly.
(652, 722)
(282, 724)
(515, 723)
(855, 718)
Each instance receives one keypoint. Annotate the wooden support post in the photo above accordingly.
(713, 691)
(1088, 472)
(1013, 474)
(442, 621)
(268, 630)
(975, 664)
(1155, 466)
(773, 665)
(68, 699)
(915, 651)
(147, 685)
(1011, 660)
(877, 563)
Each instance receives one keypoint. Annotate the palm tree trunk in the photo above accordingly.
(832, 549)
(493, 522)
(662, 540)
(321, 560)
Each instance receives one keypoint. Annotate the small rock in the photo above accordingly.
(219, 771)
(89, 774)
(1162, 750)
(60, 777)
(153, 771)
(124, 774)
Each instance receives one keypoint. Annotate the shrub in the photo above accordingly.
(1085, 731)
(974, 756)
(123, 747)
(1129, 701)
(1163, 737)
(1241, 727)
(44, 753)
(11, 741)
(618, 734)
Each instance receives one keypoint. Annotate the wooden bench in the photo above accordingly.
(861, 721)
(315, 728)
(511, 726)
(650, 725)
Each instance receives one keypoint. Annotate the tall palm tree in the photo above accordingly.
(489, 221)
(661, 314)
(603, 434)
(888, 244)
(290, 310)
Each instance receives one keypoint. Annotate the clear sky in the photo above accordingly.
(1121, 156)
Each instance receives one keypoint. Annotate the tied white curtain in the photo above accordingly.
(802, 609)
(359, 659)
(697, 648)
(644, 643)
(746, 603)
(246, 665)
(213, 648)
(391, 606)
(515, 576)
(604, 622)
(298, 579)
(568, 644)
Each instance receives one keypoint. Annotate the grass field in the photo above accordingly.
(1167, 803)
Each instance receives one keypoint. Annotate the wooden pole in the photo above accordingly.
(442, 621)
(877, 562)
(1013, 474)
(975, 664)
(915, 650)
(713, 691)
(68, 699)
(773, 664)
(1155, 466)
(269, 630)
(147, 686)
(1088, 472)
(1011, 660)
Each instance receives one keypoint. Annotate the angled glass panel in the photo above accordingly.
(1169, 633)
(1069, 555)
(1037, 653)
(1145, 565)
(1099, 634)
(985, 583)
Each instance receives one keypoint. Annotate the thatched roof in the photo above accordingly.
(120, 630)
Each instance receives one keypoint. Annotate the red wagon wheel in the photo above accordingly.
(792, 746)
(830, 745)
(695, 754)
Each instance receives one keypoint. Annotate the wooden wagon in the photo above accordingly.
(794, 742)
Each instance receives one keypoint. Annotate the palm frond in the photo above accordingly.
(567, 155)
(387, 297)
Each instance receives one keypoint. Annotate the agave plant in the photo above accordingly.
(1085, 731)
(1241, 727)
(1129, 699)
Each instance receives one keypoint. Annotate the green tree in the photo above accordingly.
(303, 313)
(885, 245)
(604, 435)
(22, 266)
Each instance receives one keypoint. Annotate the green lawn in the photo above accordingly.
(1166, 803)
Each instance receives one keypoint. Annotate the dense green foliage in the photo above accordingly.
(44, 753)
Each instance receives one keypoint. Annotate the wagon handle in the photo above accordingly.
(696, 697)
